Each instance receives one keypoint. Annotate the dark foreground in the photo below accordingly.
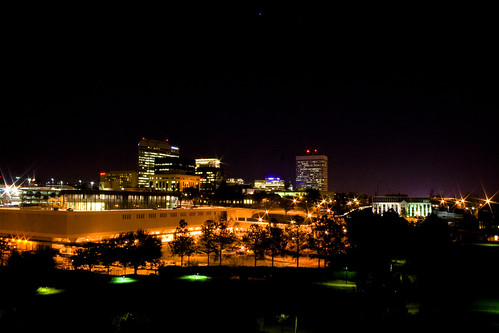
(239, 300)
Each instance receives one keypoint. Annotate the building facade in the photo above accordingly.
(118, 180)
(174, 165)
(210, 173)
(270, 184)
(312, 172)
(176, 182)
(148, 152)
(405, 206)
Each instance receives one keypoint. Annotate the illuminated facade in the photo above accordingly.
(270, 184)
(118, 180)
(66, 198)
(173, 182)
(148, 151)
(210, 173)
(66, 226)
(413, 207)
(312, 172)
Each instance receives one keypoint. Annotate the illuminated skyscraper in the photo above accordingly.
(210, 173)
(311, 171)
(149, 150)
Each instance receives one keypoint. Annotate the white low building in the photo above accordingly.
(405, 206)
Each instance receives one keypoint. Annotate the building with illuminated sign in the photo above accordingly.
(148, 152)
(405, 206)
(312, 172)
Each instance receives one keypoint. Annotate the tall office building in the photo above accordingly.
(149, 150)
(210, 173)
(311, 171)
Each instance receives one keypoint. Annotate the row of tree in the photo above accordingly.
(371, 241)
(324, 239)
(130, 249)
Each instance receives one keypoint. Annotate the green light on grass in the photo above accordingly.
(195, 277)
(122, 279)
(48, 291)
(486, 306)
(340, 285)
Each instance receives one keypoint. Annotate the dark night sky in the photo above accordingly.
(401, 100)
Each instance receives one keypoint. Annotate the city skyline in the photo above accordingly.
(397, 106)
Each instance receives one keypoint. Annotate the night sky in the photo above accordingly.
(401, 100)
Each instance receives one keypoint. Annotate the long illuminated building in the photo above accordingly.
(66, 227)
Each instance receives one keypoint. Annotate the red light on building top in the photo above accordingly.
(308, 151)
(102, 174)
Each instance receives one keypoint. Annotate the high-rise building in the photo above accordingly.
(148, 151)
(210, 173)
(311, 171)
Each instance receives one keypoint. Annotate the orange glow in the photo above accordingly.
(102, 174)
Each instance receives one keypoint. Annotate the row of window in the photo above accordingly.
(164, 215)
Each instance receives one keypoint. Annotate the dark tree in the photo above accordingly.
(137, 248)
(182, 243)
(39, 261)
(223, 239)
(327, 239)
(256, 239)
(89, 254)
(276, 242)
(4, 248)
(206, 242)
(296, 237)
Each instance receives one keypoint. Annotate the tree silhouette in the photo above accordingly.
(223, 238)
(276, 242)
(206, 242)
(297, 237)
(327, 239)
(256, 239)
(89, 254)
(137, 248)
(182, 243)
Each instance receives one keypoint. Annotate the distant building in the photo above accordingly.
(405, 206)
(148, 151)
(174, 165)
(173, 181)
(270, 184)
(210, 173)
(312, 171)
(235, 181)
(118, 180)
